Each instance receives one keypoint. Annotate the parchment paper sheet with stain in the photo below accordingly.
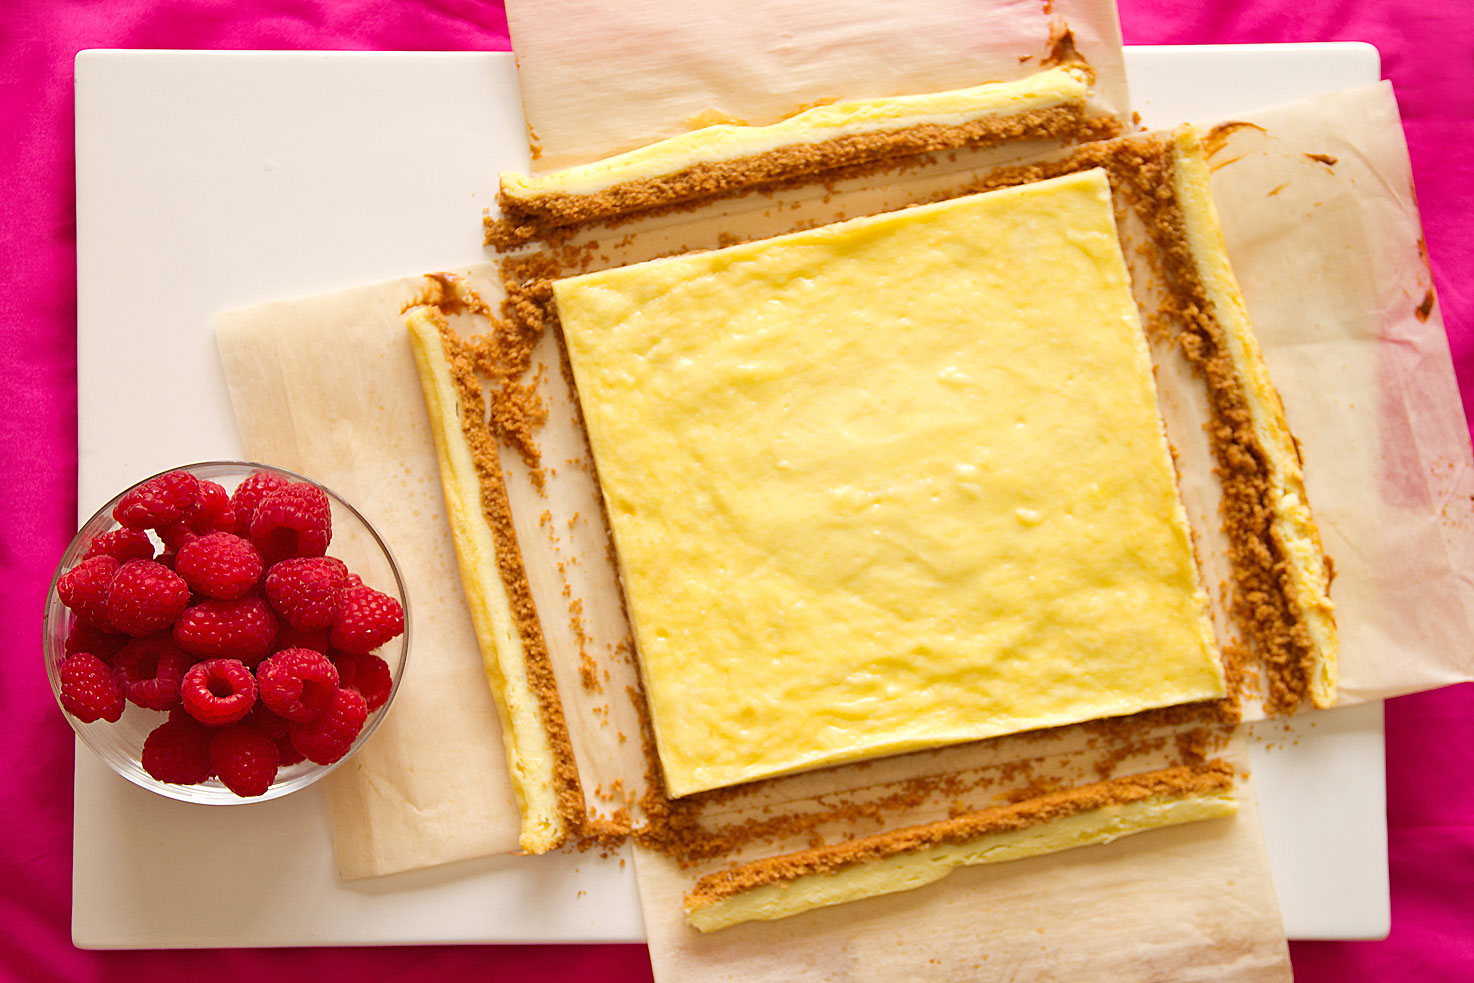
(599, 79)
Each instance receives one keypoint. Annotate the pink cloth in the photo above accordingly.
(1426, 51)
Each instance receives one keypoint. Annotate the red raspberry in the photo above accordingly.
(145, 596)
(367, 674)
(304, 590)
(329, 737)
(263, 719)
(241, 629)
(248, 495)
(294, 520)
(219, 564)
(121, 544)
(288, 637)
(288, 751)
(296, 683)
(159, 502)
(178, 751)
(150, 669)
(218, 691)
(85, 638)
(216, 513)
(246, 760)
(175, 536)
(274, 727)
(366, 619)
(83, 588)
(88, 690)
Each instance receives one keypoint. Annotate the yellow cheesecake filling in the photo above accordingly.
(889, 484)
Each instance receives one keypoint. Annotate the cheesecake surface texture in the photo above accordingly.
(889, 484)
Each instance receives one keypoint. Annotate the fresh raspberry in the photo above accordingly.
(329, 737)
(219, 564)
(288, 637)
(83, 588)
(121, 544)
(366, 619)
(218, 691)
(304, 590)
(178, 751)
(145, 596)
(159, 502)
(296, 683)
(246, 760)
(262, 719)
(176, 536)
(88, 690)
(248, 495)
(216, 513)
(367, 674)
(288, 751)
(85, 638)
(150, 669)
(293, 520)
(266, 721)
(241, 629)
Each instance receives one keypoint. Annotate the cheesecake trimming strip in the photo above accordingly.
(822, 143)
(1297, 634)
(909, 858)
(519, 672)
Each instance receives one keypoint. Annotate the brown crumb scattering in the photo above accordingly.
(1326, 159)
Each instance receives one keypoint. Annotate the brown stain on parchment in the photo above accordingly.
(1217, 138)
(1425, 309)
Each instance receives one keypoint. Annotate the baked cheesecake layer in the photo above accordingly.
(726, 157)
(906, 859)
(517, 669)
(1300, 565)
(889, 484)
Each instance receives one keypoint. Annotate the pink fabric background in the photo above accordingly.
(1426, 52)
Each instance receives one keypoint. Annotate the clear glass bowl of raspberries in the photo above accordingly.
(226, 632)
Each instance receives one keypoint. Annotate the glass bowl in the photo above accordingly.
(120, 744)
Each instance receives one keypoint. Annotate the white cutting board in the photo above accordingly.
(214, 180)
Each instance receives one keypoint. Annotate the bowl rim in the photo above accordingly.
(53, 643)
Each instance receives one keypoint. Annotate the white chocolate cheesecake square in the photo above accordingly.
(890, 484)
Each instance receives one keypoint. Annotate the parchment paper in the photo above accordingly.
(1376, 228)
(327, 386)
(600, 78)
(1334, 271)
(1178, 904)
